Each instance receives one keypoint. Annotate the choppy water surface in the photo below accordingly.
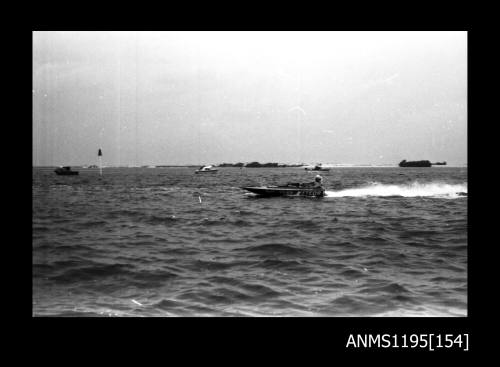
(167, 242)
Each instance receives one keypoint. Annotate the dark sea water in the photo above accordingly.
(167, 242)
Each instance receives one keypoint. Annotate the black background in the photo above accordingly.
(220, 340)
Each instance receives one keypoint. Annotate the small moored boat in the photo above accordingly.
(206, 169)
(317, 167)
(65, 171)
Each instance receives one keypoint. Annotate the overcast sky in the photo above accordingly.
(149, 98)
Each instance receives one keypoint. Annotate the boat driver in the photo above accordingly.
(318, 182)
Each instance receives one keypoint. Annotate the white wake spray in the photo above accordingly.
(415, 189)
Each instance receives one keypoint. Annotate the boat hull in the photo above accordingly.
(285, 191)
(317, 169)
(72, 173)
(207, 171)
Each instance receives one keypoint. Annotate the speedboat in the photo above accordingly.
(206, 169)
(65, 171)
(290, 189)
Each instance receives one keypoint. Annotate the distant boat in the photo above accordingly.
(317, 167)
(206, 169)
(404, 163)
(65, 171)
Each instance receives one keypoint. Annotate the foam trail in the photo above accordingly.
(415, 189)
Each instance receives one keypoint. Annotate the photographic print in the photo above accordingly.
(249, 173)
